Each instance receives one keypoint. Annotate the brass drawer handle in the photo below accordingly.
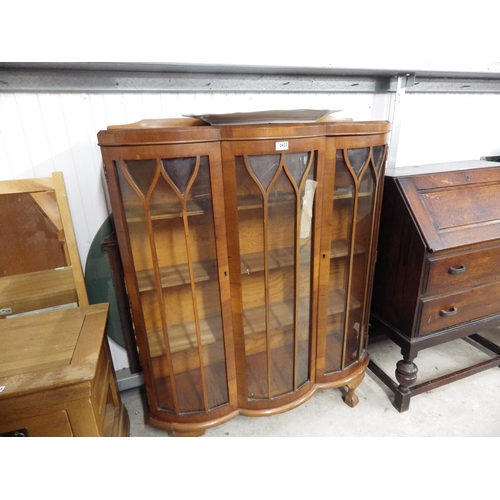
(450, 312)
(457, 270)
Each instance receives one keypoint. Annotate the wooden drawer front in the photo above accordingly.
(464, 270)
(453, 309)
(55, 424)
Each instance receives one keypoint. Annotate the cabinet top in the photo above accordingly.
(50, 349)
(436, 168)
(186, 130)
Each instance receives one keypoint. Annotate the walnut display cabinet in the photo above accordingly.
(248, 254)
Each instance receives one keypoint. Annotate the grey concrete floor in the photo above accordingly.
(466, 408)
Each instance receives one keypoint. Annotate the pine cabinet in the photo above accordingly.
(248, 255)
(57, 377)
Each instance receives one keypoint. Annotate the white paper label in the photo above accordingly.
(282, 146)
(2, 388)
(307, 208)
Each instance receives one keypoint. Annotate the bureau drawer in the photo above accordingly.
(453, 309)
(463, 270)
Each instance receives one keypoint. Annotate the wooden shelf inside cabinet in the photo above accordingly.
(348, 194)
(278, 258)
(340, 248)
(169, 211)
(188, 381)
(282, 362)
(183, 336)
(253, 202)
(283, 313)
(177, 275)
(187, 362)
(336, 301)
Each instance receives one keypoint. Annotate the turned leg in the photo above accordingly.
(406, 375)
(351, 399)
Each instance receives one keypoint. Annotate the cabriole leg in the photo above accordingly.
(351, 399)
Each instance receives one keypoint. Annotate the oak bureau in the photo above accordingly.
(437, 275)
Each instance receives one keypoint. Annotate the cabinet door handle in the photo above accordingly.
(457, 270)
(450, 312)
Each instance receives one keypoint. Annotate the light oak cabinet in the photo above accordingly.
(56, 372)
(57, 377)
(39, 262)
(248, 253)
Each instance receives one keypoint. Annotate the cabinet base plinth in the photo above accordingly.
(350, 379)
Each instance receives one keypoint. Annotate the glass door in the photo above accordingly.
(353, 215)
(180, 271)
(275, 203)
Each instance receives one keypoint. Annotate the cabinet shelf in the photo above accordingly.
(183, 336)
(340, 248)
(255, 201)
(336, 301)
(206, 270)
(282, 313)
(282, 365)
(188, 383)
(169, 211)
(349, 195)
(177, 275)
(278, 258)
(285, 257)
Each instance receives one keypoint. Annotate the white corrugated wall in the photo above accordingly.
(45, 132)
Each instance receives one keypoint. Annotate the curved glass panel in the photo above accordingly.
(340, 255)
(276, 270)
(378, 156)
(296, 164)
(172, 236)
(281, 290)
(142, 173)
(357, 158)
(351, 237)
(360, 275)
(264, 168)
(179, 170)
